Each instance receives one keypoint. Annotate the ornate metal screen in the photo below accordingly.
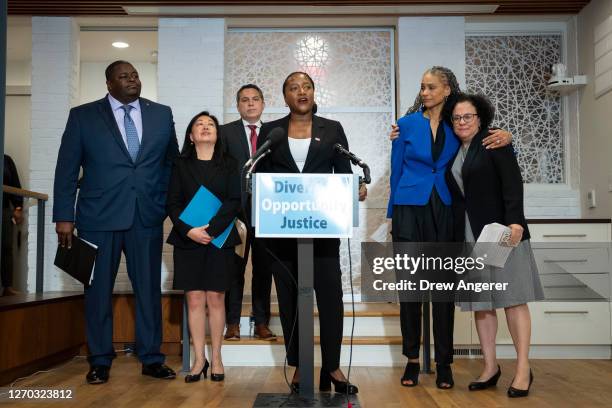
(512, 71)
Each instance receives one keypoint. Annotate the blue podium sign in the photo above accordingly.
(304, 205)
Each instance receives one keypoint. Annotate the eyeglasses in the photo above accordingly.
(467, 118)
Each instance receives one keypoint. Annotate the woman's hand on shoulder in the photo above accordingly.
(516, 234)
(394, 132)
(363, 192)
(497, 138)
(199, 235)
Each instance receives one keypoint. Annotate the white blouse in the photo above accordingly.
(299, 151)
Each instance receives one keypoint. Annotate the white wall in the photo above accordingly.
(55, 89)
(93, 82)
(595, 117)
(423, 42)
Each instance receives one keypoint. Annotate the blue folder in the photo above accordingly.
(200, 210)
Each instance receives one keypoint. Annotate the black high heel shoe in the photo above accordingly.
(411, 373)
(516, 393)
(444, 375)
(295, 387)
(189, 378)
(483, 385)
(341, 387)
(216, 377)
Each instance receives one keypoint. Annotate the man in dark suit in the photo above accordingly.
(125, 146)
(241, 142)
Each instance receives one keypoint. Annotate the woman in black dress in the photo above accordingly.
(201, 269)
(309, 148)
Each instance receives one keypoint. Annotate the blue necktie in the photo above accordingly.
(133, 144)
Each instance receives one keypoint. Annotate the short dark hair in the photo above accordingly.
(482, 104)
(108, 72)
(249, 86)
(296, 73)
(188, 149)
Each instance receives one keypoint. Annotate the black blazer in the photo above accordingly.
(185, 180)
(493, 189)
(235, 141)
(321, 158)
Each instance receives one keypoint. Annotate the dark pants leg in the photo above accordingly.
(98, 297)
(143, 249)
(6, 265)
(261, 283)
(443, 325)
(410, 323)
(284, 271)
(328, 289)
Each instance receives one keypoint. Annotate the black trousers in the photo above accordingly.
(261, 284)
(429, 223)
(327, 283)
(7, 248)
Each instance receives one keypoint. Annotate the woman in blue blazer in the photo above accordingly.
(419, 207)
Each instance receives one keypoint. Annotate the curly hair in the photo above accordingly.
(448, 78)
(482, 104)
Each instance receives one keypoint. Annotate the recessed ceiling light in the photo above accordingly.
(120, 44)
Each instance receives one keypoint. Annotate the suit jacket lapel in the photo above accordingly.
(471, 155)
(146, 118)
(241, 132)
(316, 138)
(106, 112)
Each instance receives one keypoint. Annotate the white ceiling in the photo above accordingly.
(95, 46)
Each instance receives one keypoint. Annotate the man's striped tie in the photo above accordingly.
(133, 144)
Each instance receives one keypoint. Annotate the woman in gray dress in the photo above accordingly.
(486, 187)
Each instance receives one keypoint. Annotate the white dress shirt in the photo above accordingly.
(135, 114)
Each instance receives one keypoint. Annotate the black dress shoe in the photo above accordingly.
(516, 393)
(97, 374)
(158, 370)
(483, 385)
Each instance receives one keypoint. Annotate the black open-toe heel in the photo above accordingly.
(411, 373)
(341, 387)
(444, 375)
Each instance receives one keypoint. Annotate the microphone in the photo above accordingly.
(354, 159)
(276, 135)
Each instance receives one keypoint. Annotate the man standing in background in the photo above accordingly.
(240, 139)
(125, 145)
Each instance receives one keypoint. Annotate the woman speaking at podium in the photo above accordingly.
(201, 269)
(308, 147)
